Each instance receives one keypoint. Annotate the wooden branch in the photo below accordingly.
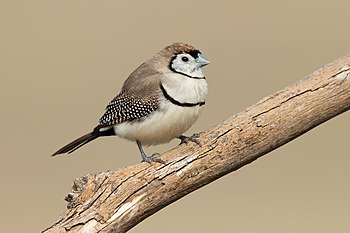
(115, 201)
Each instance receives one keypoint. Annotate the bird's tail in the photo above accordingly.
(77, 143)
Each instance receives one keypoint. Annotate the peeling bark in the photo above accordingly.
(115, 201)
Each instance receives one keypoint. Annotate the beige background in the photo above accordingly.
(62, 61)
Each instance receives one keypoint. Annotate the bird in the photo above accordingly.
(158, 102)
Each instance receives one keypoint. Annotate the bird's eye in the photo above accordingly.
(184, 59)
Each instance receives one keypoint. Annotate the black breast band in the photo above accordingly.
(178, 103)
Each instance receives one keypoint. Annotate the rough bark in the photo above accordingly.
(115, 201)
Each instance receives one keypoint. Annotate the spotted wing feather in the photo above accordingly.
(124, 108)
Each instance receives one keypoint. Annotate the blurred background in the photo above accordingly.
(61, 62)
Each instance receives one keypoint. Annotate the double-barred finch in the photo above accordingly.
(158, 102)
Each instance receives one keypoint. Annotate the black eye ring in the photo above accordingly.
(184, 59)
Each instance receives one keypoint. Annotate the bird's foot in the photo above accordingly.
(151, 158)
(193, 138)
(148, 158)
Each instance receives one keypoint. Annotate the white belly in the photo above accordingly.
(166, 123)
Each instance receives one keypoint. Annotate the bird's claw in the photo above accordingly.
(193, 138)
(151, 158)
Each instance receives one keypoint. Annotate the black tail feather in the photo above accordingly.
(77, 143)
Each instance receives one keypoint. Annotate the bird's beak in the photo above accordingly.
(201, 61)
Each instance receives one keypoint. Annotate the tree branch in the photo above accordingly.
(116, 201)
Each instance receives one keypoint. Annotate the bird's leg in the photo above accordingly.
(193, 138)
(148, 158)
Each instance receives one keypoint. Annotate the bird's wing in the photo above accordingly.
(139, 97)
(124, 108)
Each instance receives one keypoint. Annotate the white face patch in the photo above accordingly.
(185, 64)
